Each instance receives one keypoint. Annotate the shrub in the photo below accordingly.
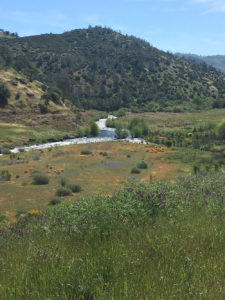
(54, 201)
(135, 171)
(85, 152)
(4, 95)
(94, 129)
(35, 157)
(142, 165)
(20, 213)
(39, 178)
(6, 151)
(5, 175)
(221, 130)
(75, 188)
(121, 133)
(103, 153)
(63, 191)
(63, 181)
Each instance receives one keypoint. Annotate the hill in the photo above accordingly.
(217, 61)
(27, 104)
(103, 69)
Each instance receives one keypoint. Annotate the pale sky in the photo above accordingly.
(188, 26)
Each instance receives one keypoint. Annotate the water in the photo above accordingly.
(105, 135)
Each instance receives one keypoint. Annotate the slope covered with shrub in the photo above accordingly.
(100, 68)
(163, 240)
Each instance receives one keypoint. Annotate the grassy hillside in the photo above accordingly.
(102, 69)
(28, 106)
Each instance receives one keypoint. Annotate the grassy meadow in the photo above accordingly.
(108, 165)
(18, 135)
(117, 220)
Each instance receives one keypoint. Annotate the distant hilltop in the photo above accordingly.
(102, 69)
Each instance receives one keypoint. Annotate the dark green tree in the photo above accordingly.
(4, 95)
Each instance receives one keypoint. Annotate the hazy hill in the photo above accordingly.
(103, 69)
(217, 61)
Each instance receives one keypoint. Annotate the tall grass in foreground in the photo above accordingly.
(162, 241)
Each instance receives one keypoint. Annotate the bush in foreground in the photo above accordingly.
(141, 242)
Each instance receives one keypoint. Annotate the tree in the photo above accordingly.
(94, 129)
(4, 95)
(221, 130)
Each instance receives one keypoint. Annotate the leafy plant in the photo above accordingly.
(63, 191)
(39, 179)
(135, 171)
(85, 152)
(142, 165)
(75, 188)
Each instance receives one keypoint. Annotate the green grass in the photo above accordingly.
(163, 241)
(19, 135)
(94, 173)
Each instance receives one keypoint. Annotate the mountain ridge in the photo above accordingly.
(103, 69)
(217, 61)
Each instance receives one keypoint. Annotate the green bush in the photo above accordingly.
(6, 151)
(75, 188)
(85, 152)
(94, 129)
(221, 130)
(40, 179)
(63, 181)
(4, 95)
(135, 171)
(54, 201)
(103, 153)
(63, 191)
(5, 175)
(142, 165)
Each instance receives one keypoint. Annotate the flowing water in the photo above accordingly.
(105, 135)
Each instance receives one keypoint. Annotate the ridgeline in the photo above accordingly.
(103, 69)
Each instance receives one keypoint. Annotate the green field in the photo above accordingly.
(156, 234)
(18, 135)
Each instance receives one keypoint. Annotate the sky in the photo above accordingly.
(186, 26)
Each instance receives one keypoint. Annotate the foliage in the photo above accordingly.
(142, 165)
(94, 129)
(4, 95)
(120, 132)
(85, 152)
(139, 128)
(38, 178)
(63, 191)
(135, 171)
(54, 94)
(5, 175)
(54, 201)
(74, 187)
(221, 130)
(5, 151)
(142, 240)
(63, 181)
(103, 69)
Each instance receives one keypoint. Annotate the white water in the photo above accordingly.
(106, 135)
